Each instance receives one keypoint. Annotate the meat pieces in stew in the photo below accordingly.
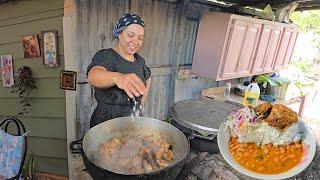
(136, 155)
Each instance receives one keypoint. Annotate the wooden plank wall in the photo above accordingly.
(190, 88)
(47, 118)
(168, 43)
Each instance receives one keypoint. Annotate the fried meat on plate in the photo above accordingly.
(281, 116)
(277, 115)
(263, 109)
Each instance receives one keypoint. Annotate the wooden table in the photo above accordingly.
(217, 94)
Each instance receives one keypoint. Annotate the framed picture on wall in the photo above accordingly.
(68, 80)
(31, 47)
(7, 70)
(50, 48)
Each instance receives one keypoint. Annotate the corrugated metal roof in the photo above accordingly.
(303, 4)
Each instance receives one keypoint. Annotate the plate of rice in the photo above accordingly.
(266, 142)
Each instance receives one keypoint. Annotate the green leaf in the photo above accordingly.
(298, 84)
(273, 82)
(204, 134)
(262, 79)
(169, 120)
(259, 157)
(22, 87)
(282, 81)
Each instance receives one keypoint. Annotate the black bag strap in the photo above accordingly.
(19, 125)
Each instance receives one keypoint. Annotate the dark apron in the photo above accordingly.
(104, 112)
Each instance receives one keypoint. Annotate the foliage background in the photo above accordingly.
(309, 23)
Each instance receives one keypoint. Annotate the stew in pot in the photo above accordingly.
(137, 154)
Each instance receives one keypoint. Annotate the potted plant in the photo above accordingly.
(24, 84)
(273, 85)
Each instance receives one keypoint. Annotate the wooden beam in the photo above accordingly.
(275, 4)
(69, 27)
(3, 1)
(171, 1)
(207, 2)
(308, 6)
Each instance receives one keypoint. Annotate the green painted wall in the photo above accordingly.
(47, 118)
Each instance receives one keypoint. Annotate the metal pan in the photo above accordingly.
(123, 126)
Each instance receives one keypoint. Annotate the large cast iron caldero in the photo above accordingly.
(119, 127)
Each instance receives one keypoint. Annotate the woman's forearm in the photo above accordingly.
(101, 78)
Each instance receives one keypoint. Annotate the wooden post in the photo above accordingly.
(72, 56)
(302, 105)
(70, 64)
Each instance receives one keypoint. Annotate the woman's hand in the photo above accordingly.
(131, 84)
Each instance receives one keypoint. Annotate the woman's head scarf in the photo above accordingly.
(125, 21)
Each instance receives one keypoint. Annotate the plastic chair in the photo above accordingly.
(13, 149)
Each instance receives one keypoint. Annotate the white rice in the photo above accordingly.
(262, 134)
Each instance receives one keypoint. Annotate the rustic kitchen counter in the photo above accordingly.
(216, 93)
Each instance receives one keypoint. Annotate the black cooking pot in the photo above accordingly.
(119, 127)
(197, 143)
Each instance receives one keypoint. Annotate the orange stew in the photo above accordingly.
(267, 159)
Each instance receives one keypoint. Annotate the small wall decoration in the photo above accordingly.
(31, 47)
(68, 80)
(50, 56)
(7, 70)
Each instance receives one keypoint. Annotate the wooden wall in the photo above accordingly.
(168, 46)
(47, 118)
(168, 43)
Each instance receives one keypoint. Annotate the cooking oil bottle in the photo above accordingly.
(251, 95)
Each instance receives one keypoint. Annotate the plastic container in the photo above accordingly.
(227, 90)
(251, 95)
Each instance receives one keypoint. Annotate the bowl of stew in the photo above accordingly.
(268, 161)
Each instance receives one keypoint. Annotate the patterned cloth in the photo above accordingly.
(125, 21)
(11, 149)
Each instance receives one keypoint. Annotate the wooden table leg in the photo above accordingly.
(302, 105)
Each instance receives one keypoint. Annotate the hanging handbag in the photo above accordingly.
(13, 149)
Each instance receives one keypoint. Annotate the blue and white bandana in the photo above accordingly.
(125, 21)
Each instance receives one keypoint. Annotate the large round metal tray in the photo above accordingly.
(202, 115)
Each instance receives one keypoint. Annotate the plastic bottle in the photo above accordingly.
(227, 90)
(251, 95)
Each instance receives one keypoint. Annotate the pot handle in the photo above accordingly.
(189, 136)
(76, 147)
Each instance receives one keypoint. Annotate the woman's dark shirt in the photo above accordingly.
(113, 98)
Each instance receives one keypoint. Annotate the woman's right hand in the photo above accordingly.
(131, 84)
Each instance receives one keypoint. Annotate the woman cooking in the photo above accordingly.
(119, 74)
